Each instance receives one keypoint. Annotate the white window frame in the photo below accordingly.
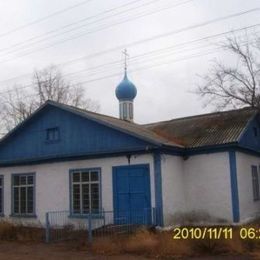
(81, 183)
(26, 186)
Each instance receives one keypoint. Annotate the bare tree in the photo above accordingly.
(48, 84)
(234, 86)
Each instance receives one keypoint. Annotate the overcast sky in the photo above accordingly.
(158, 34)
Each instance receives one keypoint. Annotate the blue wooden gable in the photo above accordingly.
(251, 136)
(76, 136)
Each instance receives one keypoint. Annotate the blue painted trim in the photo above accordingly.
(62, 158)
(31, 215)
(2, 195)
(94, 215)
(158, 189)
(234, 186)
(114, 191)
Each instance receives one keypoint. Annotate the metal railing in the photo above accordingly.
(61, 225)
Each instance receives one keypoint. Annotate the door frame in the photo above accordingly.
(133, 166)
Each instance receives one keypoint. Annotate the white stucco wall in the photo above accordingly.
(200, 183)
(52, 183)
(172, 187)
(207, 184)
(248, 207)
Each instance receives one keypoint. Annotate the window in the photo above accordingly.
(52, 134)
(1, 195)
(124, 111)
(255, 182)
(23, 186)
(85, 195)
(131, 110)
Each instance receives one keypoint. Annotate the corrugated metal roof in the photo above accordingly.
(204, 130)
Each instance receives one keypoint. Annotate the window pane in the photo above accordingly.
(124, 111)
(85, 176)
(76, 198)
(30, 179)
(95, 197)
(16, 200)
(23, 200)
(22, 180)
(85, 198)
(94, 176)
(52, 134)
(131, 110)
(1, 202)
(76, 177)
(30, 200)
(16, 180)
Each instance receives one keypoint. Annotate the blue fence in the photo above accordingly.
(61, 225)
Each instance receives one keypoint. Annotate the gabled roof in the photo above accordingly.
(115, 123)
(122, 125)
(188, 132)
(205, 130)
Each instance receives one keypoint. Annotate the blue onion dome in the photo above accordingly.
(126, 90)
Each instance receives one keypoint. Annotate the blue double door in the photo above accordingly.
(132, 196)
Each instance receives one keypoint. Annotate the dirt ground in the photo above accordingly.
(41, 251)
(64, 251)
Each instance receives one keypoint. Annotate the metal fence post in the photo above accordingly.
(47, 228)
(89, 228)
(104, 217)
(154, 216)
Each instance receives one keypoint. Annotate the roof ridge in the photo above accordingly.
(92, 112)
(200, 115)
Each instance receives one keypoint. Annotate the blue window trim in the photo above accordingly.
(2, 195)
(31, 215)
(48, 141)
(234, 186)
(158, 189)
(93, 215)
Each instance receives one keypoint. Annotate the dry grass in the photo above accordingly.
(144, 242)
(162, 245)
(11, 232)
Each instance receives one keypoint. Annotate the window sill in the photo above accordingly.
(22, 216)
(86, 216)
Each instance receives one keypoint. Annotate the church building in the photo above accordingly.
(65, 158)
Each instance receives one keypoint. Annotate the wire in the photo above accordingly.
(139, 69)
(147, 53)
(44, 18)
(101, 28)
(158, 36)
(80, 21)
